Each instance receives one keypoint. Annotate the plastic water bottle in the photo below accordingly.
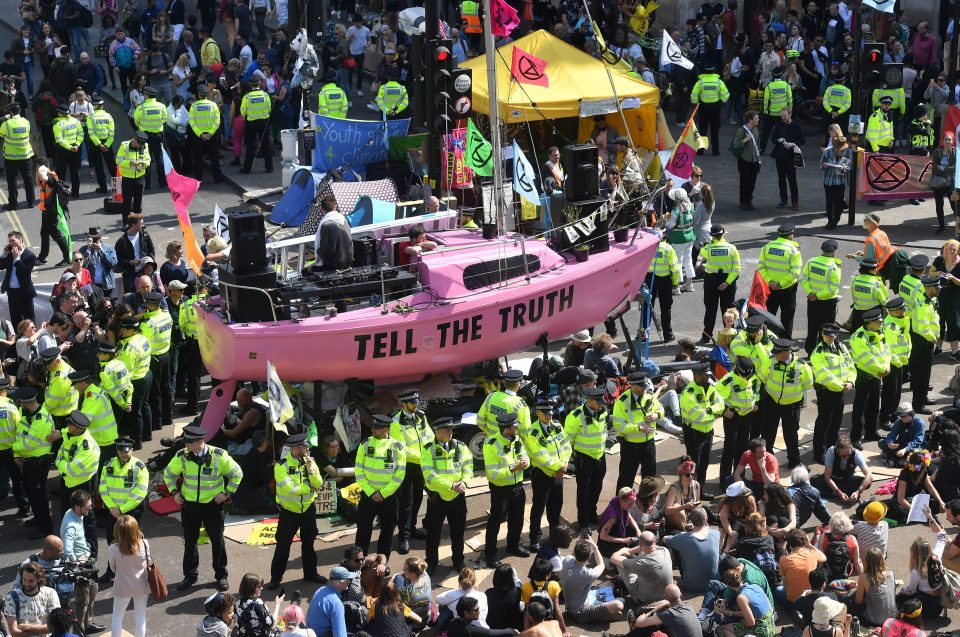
(855, 627)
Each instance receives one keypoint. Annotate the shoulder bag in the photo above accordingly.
(158, 585)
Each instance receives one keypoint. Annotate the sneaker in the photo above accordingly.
(360, 92)
(373, 106)
(782, 204)
(85, 163)
(677, 291)
(732, 121)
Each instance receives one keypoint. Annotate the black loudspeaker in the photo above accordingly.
(580, 170)
(599, 239)
(249, 306)
(248, 241)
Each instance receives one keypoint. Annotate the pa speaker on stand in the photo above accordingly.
(248, 241)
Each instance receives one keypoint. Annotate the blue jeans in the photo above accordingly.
(780, 596)
(78, 34)
(713, 592)
(28, 71)
(343, 80)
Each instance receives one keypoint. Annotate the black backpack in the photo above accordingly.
(838, 557)
(541, 595)
(767, 562)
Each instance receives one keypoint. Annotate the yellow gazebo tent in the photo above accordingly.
(579, 87)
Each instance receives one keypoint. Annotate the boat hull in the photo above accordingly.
(407, 346)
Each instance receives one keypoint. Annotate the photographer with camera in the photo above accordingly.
(99, 259)
(26, 609)
(77, 549)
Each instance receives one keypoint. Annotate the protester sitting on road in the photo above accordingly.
(577, 578)
(698, 550)
(925, 579)
(26, 610)
(503, 600)
(325, 614)
(752, 608)
(599, 356)
(539, 587)
(219, 619)
(617, 526)
(677, 616)
(644, 569)
(876, 588)
(822, 621)
(801, 558)
(682, 496)
(716, 589)
(738, 502)
(806, 497)
(253, 618)
(447, 600)
(839, 478)
(912, 481)
(559, 538)
(465, 625)
(763, 465)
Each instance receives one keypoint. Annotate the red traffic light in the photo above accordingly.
(441, 54)
(875, 56)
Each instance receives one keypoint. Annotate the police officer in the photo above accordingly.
(700, 406)
(298, 481)
(871, 357)
(204, 134)
(410, 428)
(17, 153)
(754, 343)
(740, 391)
(100, 133)
(502, 402)
(922, 139)
(381, 467)
(332, 101)
(190, 361)
(896, 332)
(880, 127)
(666, 283)
(868, 292)
(115, 380)
(134, 352)
(820, 279)
(470, 17)
(35, 454)
(504, 460)
(157, 327)
(635, 416)
(711, 94)
(586, 427)
(124, 481)
(392, 99)
(911, 289)
(837, 100)
(97, 407)
(898, 107)
(133, 160)
(721, 271)
(210, 477)
(77, 462)
(255, 108)
(9, 425)
(149, 117)
(59, 397)
(549, 450)
(68, 134)
(777, 95)
(833, 376)
(780, 266)
(447, 466)
(924, 332)
(785, 383)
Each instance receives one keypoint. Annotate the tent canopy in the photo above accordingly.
(575, 78)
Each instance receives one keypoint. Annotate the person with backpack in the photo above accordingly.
(26, 610)
(540, 588)
(756, 545)
(123, 54)
(840, 546)
(926, 578)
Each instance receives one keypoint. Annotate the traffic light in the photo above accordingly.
(871, 65)
(442, 87)
(461, 93)
(892, 75)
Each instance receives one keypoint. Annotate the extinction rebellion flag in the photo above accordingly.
(479, 153)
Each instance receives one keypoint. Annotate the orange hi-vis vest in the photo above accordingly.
(881, 245)
(46, 191)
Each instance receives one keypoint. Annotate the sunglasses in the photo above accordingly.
(78, 260)
(686, 475)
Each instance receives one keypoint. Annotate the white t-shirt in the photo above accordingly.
(34, 609)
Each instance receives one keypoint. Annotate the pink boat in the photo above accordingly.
(465, 312)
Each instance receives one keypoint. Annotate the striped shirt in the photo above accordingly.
(836, 176)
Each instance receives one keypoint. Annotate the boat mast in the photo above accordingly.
(496, 147)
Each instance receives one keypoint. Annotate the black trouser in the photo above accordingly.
(662, 290)
(193, 515)
(34, 474)
(15, 474)
(209, 150)
(819, 312)
(20, 305)
(829, 417)
(409, 499)
(126, 73)
(708, 121)
(49, 230)
(21, 167)
(589, 475)
(455, 513)
(938, 196)
(90, 519)
(136, 512)
(131, 189)
(287, 525)
(787, 172)
(697, 445)
(257, 142)
(866, 406)
(161, 398)
(155, 143)
(547, 495)
(847, 485)
(921, 360)
(138, 421)
(748, 179)
(767, 123)
(97, 159)
(785, 300)
(367, 510)
(67, 159)
(49, 141)
(505, 503)
(736, 438)
(180, 151)
(891, 392)
(636, 456)
(835, 196)
(773, 414)
(715, 299)
(191, 364)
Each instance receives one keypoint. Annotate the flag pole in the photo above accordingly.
(493, 105)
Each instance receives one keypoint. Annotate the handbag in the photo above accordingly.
(797, 157)
(350, 63)
(158, 585)
(735, 150)
(939, 182)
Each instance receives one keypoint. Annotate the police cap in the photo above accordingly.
(202, 90)
(745, 364)
(873, 314)
(141, 136)
(928, 281)
(130, 321)
(296, 440)
(149, 90)
(153, 297)
(919, 110)
(513, 375)
(409, 396)
(380, 420)
(868, 263)
(545, 405)
(782, 345)
(828, 246)
(717, 230)
(778, 71)
(830, 328)
(710, 68)
(106, 348)
(192, 433)
(895, 303)
(125, 444)
(787, 228)
(78, 419)
(755, 323)
(702, 368)
(636, 378)
(23, 394)
(506, 420)
(442, 423)
(593, 392)
(50, 354)
(80, 375)
(886, 99)
(63, 109)
(97, 100)
(919, 261)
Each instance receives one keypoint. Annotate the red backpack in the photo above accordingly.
(46, 109)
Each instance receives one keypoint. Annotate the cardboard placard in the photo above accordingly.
(327, 498)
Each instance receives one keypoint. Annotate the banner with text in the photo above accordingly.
(883, 176)
(352, 143)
